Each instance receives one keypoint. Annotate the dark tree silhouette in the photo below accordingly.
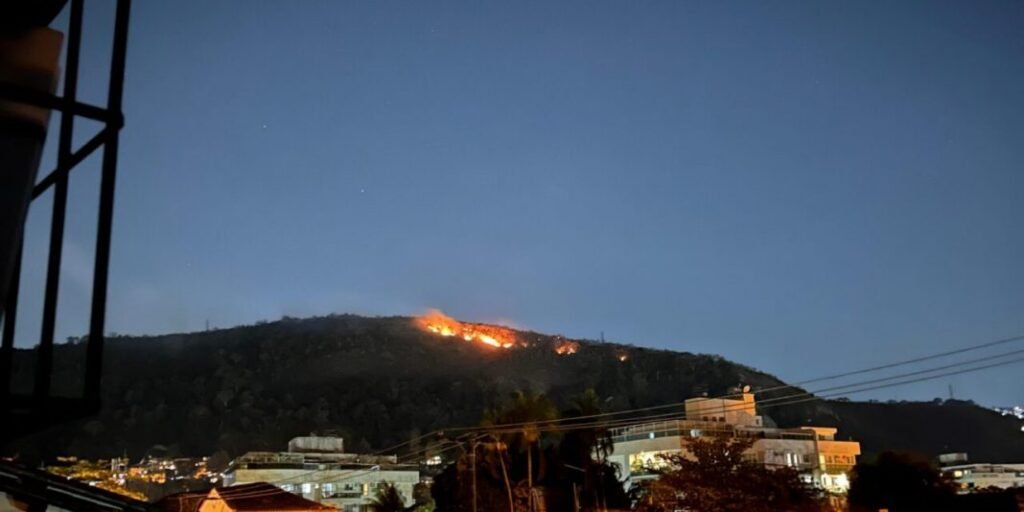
(715, 476)
(388, 499)
(898, 481)
(525, 450)
(529, 412)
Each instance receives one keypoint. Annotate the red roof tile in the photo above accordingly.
(256, 497)
(260, 497)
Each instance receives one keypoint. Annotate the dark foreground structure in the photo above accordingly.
(34, 490)
(29, 71)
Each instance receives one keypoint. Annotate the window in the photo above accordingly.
(643, 462)
(791, 459)
(307, 488)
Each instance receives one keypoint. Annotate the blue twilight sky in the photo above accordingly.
(805, 187)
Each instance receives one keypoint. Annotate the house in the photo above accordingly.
(329, 476)
(821, 459)
(255, 497)
(970, 477)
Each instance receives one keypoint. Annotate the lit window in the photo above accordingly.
(307, 488)
(842, 482)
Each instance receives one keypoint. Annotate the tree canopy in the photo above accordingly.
(523, 456)
(387, 498)
(715, 475)
(898, 481)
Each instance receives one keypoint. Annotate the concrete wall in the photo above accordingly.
(980, 476)
(740, 411)
(805, 455)
(317, 444)
(310, 484)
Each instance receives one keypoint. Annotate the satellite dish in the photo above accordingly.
(746, 389)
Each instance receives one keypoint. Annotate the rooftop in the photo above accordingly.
(255, 497)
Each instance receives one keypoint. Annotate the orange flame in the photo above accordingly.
(444, 325)
(566, 348)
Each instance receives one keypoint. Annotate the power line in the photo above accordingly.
(788, 400)
(905, 362)
(915, 360)
(857, 387)
(573, 422)
(775, 388)
(780, 401)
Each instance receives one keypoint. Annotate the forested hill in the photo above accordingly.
(381, 381)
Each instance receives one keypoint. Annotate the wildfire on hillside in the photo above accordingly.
(567, 347)
(439, 323)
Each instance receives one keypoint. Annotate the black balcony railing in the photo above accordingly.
(22, 413)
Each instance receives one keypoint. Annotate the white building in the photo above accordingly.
(970, 477)
(347, 481)
(813, 451)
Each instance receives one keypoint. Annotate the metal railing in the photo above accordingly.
(24, 413)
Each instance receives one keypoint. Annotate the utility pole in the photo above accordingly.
(472, 458)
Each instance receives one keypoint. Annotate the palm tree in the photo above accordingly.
(497, 449)
(596, 441)
(584, 450)
(387, 499)
(527, 411)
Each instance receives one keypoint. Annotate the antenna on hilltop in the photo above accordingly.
(950, 391)
(602, 336)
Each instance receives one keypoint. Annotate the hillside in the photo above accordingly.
(380, 381)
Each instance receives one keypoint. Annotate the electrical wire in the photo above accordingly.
(573, 422)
